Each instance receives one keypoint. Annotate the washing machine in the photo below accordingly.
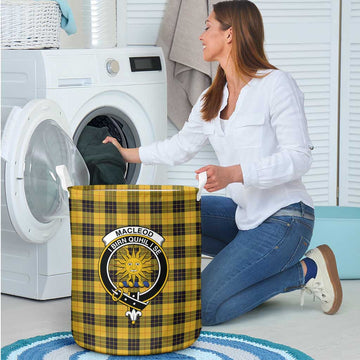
(48, 98)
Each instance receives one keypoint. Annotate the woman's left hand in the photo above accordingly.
(218, 177)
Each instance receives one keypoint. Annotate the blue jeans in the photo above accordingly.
(249, 266)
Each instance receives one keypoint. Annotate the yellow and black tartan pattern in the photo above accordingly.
(156, 228)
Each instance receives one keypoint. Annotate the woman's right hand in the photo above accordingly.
(129, 155)
(110, 139)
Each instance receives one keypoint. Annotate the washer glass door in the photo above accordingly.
(50, 148)
(41, 160)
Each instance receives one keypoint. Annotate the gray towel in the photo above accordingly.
(187, 73)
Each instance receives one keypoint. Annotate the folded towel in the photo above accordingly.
(67, 17)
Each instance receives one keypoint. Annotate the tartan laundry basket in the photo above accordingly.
(136, 266)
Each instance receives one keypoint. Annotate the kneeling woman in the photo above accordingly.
(253, 116)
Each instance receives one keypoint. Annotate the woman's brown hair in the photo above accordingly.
(247, 50)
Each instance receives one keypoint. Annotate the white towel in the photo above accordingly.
(187, 73)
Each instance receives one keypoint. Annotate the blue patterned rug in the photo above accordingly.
(209, 346)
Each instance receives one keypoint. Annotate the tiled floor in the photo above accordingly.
(280, 320)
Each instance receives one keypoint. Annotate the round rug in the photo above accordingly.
(209, 346)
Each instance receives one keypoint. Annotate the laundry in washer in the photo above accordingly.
(105, 163)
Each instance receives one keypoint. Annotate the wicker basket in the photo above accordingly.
(28, 24)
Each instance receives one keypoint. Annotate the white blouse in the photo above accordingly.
(266, 134)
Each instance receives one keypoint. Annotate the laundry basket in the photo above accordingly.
(28, 24)
(136, 264)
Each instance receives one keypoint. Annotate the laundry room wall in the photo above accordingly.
(138, 23)
(311, 41)
(77, 40)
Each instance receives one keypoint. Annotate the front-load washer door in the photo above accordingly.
(38, 152)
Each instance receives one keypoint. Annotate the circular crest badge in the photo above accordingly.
(133, 267)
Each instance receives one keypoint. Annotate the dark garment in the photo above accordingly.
(104, 161)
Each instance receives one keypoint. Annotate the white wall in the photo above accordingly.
(349, 162)
(139, 22)
(76, 40)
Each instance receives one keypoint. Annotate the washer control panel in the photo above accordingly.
(112, 67)
(145, 63)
